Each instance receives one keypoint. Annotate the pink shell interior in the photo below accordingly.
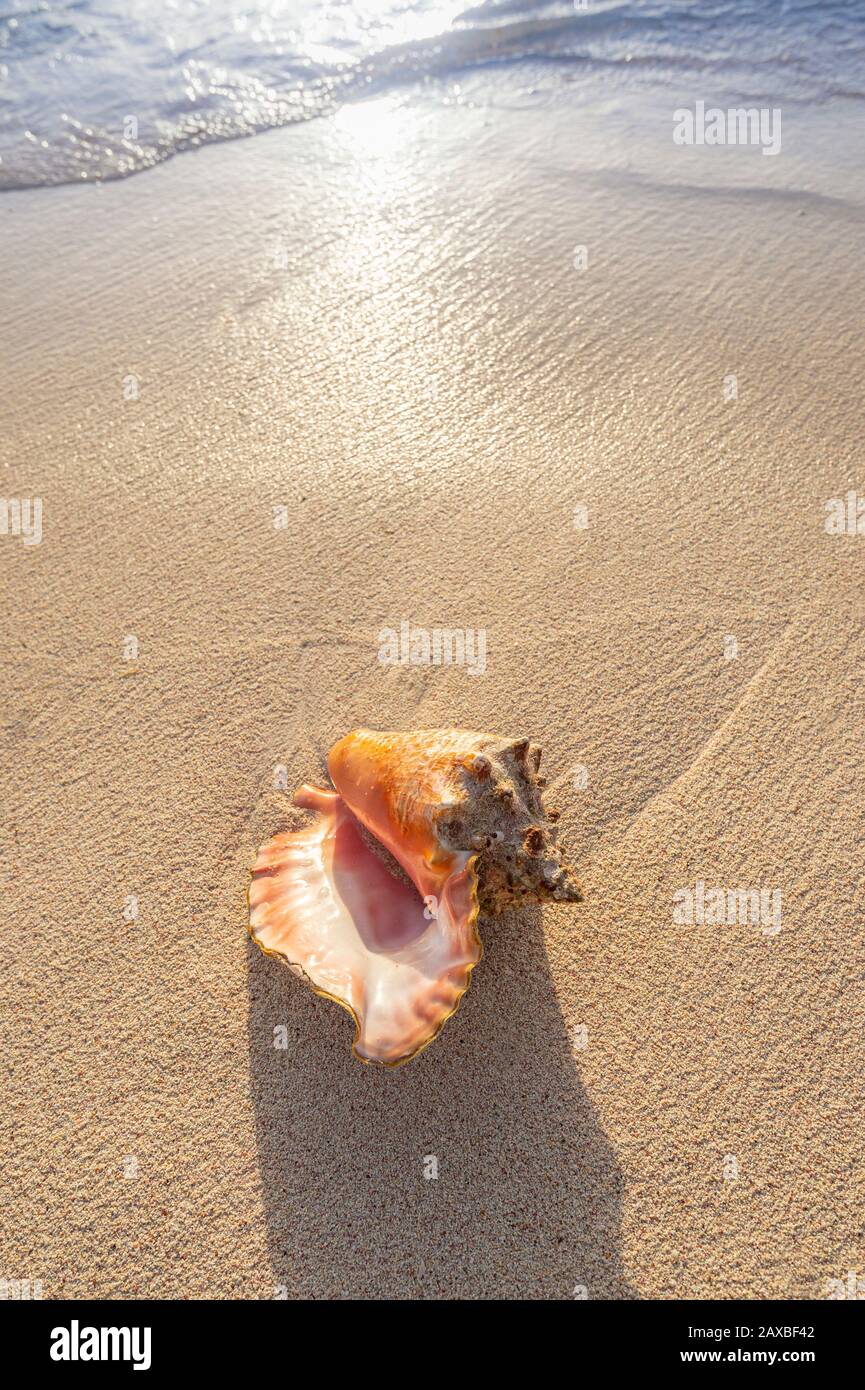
(327, 905)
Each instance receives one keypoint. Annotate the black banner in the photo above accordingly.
(157, 1338)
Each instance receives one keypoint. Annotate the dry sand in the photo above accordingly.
(430, 388)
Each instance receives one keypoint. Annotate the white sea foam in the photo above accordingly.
(97, 89)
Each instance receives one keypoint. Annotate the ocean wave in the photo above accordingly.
(89, 92)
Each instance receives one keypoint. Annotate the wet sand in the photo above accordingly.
(388, 339)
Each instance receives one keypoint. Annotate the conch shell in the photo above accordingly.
(375, 904)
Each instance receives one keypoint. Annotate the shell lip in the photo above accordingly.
(474, 913)
(469, 865)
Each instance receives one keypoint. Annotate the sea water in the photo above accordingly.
(98, 89)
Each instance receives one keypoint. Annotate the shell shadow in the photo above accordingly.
(526, 1197)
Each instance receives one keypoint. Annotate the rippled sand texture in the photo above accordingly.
(379, 327)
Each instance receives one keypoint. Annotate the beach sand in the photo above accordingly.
(388, 337)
